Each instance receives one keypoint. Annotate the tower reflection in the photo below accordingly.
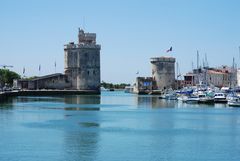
(146, 101)
(81, 134)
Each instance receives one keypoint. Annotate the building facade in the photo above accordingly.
(52, 81)
(220, 77)
(144, 85)
(82, 62)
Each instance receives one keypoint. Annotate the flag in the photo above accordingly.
(39, 68)
(170, 49)
(23, 70)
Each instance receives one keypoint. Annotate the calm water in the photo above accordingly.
(116, 127)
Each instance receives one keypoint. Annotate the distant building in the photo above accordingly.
(189, 79)
(163, 72)
(217, 78)
(144, 85)
(220, 77)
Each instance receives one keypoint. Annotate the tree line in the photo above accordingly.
(114, 86)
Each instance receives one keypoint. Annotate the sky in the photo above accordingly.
(130, 32)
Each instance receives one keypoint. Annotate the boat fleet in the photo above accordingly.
(204, 95)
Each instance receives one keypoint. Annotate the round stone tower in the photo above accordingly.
(163, 72)
(82, 62)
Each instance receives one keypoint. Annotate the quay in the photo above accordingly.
(5, 95)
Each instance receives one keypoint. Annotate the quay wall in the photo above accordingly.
(5, 95)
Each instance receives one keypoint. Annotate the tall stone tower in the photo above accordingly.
(163, 72)
(82, 62)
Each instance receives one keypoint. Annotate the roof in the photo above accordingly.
(43, 77)
(216, 72)
(48, 76)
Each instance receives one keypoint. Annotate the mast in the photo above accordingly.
(197, 59)
(206, 61)
(177, 75)
(232, 73)
(239, 54)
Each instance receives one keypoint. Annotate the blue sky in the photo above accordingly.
(129, 31)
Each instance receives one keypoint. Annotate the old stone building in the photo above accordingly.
(163, 72)
(144, 85)
(82, 68)
(82, 62)
(53, 81)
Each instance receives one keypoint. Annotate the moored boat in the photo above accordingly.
(235, 102)
(220, 98)
(192, 99)
(204, 99)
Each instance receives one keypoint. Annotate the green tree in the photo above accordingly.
(115, 86)
(7, 76)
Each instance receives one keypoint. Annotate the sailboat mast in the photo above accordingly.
(197, 59)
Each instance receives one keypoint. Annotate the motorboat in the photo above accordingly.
(204, 99)
(169, 96)
(192, 99)
(182, 98)
(235, 102)
(220, 98)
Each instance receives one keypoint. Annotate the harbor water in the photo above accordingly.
(116, 126)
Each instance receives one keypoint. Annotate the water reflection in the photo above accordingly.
(144, 101)
(82, 99)
(81, 134)
(81, 145)
(6, 104)
(23, 99)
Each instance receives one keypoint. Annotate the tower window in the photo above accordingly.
(88, 72)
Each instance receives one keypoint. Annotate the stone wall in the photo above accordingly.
(163, 72)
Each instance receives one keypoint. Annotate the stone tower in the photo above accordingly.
(163, 72)
(82, 62)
